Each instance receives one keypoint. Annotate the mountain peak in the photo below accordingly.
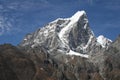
(77, 15)
(70, 36)
(103, 41)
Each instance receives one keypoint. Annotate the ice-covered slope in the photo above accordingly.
(77, 54)
(71, 36)
(104, 42)
(64, 33)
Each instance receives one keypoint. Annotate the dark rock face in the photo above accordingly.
(37, 64)
(17, 65)
(6, 73)
(112, 61)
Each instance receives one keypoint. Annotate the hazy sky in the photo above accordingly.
(19, 17)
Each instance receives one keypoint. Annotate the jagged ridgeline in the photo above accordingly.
(64, 49)
(67, 36)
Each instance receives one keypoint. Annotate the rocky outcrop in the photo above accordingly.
(15, 64)
(112, 61)
(18, 65)
(37, 64)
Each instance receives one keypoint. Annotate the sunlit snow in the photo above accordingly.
(103, 41)
(67, 28)
(77, 54)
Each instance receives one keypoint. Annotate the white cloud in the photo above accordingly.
(27, 5)
(7, 17)
(1, 7)
(1, 30)
(5, 26)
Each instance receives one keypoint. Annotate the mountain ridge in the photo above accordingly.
(65, 35)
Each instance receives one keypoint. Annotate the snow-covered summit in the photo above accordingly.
(103, 41)
(64, 33)
(74, 18)
(71, 36)
(77, 15)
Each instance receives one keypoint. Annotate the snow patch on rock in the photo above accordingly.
(103, 41)
(77, 54)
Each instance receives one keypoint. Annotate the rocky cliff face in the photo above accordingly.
(15, 64)
(71, 36)
(37, 64)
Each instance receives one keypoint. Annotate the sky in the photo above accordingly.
(20, 17)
